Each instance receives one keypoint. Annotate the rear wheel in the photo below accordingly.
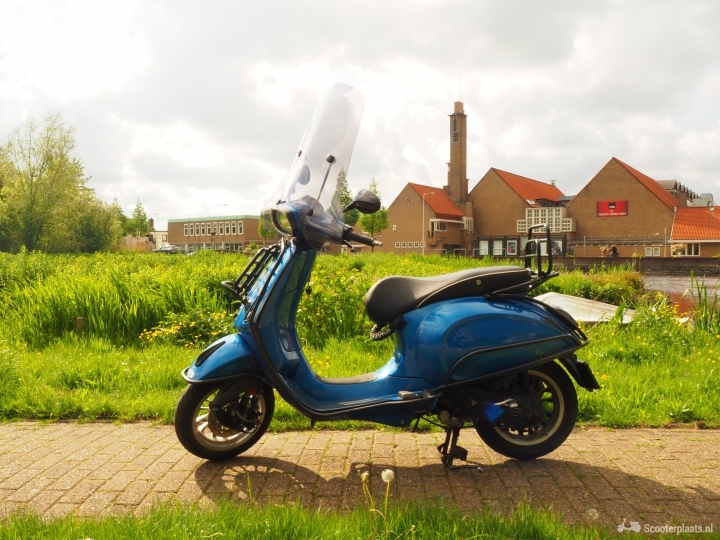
(550, 387)
(200, 431)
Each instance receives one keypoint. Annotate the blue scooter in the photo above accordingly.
(471, 347)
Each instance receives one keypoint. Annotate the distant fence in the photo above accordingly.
(648, 265)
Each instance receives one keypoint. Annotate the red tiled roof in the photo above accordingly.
(440, 202)
(652, 185)
(527, 188)
(696, 223)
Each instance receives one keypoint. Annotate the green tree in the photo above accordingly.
(94, 225)
(39, 177)
(117, 211)
(266, 231)
(351, 217)
(137, 224)
(373, 224)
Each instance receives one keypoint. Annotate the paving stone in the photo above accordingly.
(134, 493)
(81, 491)
(96, 504)
(18, 479)
(119, 481)
(172, 481)
(44, 500)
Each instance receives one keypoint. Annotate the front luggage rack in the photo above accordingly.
(247, 278)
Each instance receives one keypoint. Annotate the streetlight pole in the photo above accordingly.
(422, 227)
(214, 225)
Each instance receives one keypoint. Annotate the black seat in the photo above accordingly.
(395, 295)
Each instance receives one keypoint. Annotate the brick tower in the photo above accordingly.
(457, 186)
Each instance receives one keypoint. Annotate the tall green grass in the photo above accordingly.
(120, 296)
(653, 372)
(706, 305)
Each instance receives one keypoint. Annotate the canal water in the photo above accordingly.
(675, 286)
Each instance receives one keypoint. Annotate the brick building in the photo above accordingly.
(696, 232)
(488, 220)
(506, 204)
(438, 227)
(623, 207)
(428, 219)
(231, 233)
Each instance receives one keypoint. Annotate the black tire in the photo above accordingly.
(553, 386)
(201, 434)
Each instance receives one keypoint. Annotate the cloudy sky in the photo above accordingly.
(190, 105)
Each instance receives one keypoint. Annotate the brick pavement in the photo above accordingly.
(651, 475)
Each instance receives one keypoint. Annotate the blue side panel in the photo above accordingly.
(234, 357)
(436, 337)
(490, 362)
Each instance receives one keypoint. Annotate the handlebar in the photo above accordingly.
(349, 235)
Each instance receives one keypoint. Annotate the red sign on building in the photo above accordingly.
(612, 208)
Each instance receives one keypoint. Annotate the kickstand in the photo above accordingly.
(451, 451)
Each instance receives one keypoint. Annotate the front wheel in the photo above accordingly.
(550, 387)
(200, 431)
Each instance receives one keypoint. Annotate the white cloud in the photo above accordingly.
(187, 105)
(69, 49)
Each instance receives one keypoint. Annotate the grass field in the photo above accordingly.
(653, 372)
(291, 522)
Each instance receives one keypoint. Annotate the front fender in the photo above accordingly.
(226, 358)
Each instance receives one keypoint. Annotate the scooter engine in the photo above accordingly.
(519, 411)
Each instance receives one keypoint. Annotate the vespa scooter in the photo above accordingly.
(471, 347)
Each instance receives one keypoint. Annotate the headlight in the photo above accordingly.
(282, 223)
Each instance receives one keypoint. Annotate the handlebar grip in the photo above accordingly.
(360, 238)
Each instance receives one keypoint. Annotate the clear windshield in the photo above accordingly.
(322, 159)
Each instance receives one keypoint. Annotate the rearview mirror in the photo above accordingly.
(365, 202)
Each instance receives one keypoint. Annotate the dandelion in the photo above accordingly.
(365, 477)
(388, 476)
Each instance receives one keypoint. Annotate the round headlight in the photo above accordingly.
(282, 223)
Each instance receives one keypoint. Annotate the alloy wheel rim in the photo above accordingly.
(531, 435)
(229, 438)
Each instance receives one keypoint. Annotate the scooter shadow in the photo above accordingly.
(566, 487)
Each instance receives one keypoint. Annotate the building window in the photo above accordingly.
(164, 237)
(692, 250)
(394, 227)
(222, 228)
(440, 226)
(192, 229)
(240, 227)
(652, 251)
(422, 244)
(417, 244)
(397, 244)
(227, 227)
(185, 229)
(234, 227)
(403, 244)
(408, 202)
